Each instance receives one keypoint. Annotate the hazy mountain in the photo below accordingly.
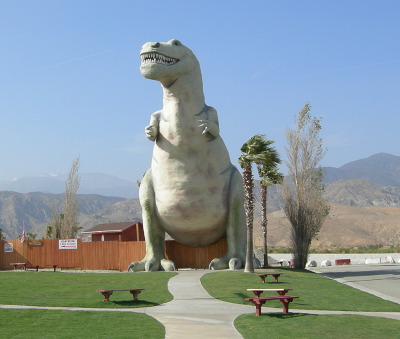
(345, 226)
(381, 169)
(349, 188)
(350, 192)
(91, 183)
(33, 211)
(121, 211)
(361, 193)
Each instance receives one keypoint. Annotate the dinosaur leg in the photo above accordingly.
(154, 234)
(236, 228)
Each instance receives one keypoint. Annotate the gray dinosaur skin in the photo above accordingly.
(192, 191)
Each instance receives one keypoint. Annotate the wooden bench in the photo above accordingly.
(43, 266)
(284, 299)
(257, 291)
(16, 264)
(264, 275)
(133, 291)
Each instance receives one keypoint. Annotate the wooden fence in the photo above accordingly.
(103, 255)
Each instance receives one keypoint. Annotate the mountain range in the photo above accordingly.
(381, 169)
(365, 187)
(90, 183)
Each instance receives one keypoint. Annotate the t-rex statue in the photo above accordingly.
(192, 191)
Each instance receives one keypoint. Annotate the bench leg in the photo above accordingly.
(258, 305)
(106, 295)
(258, 310)
(276, 276)
(285, 303)
(257, 293)
(135, 294)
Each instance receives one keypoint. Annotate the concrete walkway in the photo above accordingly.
(193, 313)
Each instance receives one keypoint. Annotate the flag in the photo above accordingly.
(23, 236)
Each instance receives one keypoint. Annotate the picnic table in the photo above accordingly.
(258, 291)
(264, 275)
(108, 293)
(284, 299)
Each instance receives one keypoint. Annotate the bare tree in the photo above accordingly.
(70, 214)
(304, 205)
(65, 224)
(2, 237)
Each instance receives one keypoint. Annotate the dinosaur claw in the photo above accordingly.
(168, 265)
(235, 264)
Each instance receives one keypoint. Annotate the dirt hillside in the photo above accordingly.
(346, 226)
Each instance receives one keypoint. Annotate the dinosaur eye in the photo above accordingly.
(175, 42)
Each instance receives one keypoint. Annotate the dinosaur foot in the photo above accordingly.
(225, 262)
(152, 265)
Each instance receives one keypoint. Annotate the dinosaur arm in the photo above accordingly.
(152, 129)
(210, 123)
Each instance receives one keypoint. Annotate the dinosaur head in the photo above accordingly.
(167, 61)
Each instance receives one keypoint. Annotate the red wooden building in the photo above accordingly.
(120, 231)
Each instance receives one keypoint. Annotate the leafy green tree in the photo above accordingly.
(28, 236)
(304, 204)
(49, 230)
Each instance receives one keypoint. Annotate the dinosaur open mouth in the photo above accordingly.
(157, 58)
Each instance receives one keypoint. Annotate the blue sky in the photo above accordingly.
(70, 83)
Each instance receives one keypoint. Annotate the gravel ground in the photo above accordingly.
(356, 259)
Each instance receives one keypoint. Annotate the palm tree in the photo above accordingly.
(269, 175)
(253, 152)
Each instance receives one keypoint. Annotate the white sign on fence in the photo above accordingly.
(8, 247)
(67, 244)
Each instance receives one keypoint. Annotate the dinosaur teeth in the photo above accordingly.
(157, 58)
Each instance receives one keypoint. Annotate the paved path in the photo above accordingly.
(193, 313)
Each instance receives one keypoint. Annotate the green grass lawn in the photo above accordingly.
(315, 291)
(68, 324)
(308, 326)
(79, 289)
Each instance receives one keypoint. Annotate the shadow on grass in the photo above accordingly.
(241, 295)
(283, 315)
(134, 303)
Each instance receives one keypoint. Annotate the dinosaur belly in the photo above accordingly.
(191, 197)
(192, 219)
